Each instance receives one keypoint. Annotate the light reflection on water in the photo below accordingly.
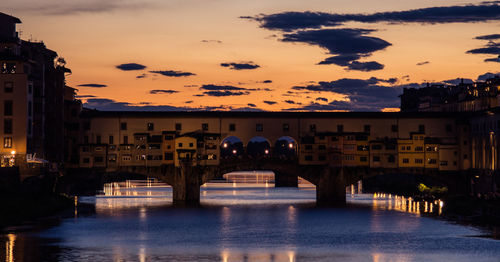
(249, 222)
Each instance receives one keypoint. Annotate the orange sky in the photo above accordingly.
(94, 37)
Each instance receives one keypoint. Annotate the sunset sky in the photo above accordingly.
(262, 54)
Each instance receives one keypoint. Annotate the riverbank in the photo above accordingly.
(17, 210)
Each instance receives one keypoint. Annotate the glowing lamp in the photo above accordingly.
(290, 145)
(266, 151)
(234, 151)
(13, 152)
(225, 145)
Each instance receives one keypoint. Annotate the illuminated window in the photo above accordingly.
(7, 142)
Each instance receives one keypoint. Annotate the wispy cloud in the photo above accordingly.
(93, 85)
(240, 66)
(131, 67)
(172, 73)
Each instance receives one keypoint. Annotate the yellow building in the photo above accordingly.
(411, 151)
(185, 150)
(168, 147)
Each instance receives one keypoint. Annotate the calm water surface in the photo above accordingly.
(247, 222)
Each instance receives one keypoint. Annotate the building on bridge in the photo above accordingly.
(416, 141)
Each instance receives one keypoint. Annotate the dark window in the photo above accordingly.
(419, 161)
(367, 128)
(191, 145)
(98, 159)
(86, 160)
(443, 163)
(30, 89)
(312, 127)
(8, 87)
(419, 148)
(432, 161)
(421, 128)
(7, 108)
(7, 126)
(309, 158)
(390, 147)
(123, 126)
(85, 139)
(98, 139)
(30, 108)
(259, 127)
(376, 158)
(321, 158)
(322, 147)
(465, 156)
(340, 128)
(391, 159)
(232, 127)
(125, 139)
(449, 128)
(74, 112)
(169, 137)
(151, 126)
(111, 140)
(169, 156)
(363, 159)
(406, 160)
(180, 144)
(394, 128)
(204, 127)
(178, 126)
(309, 147)
(7, 142)
(286, 127)
(376, 147)
(86, 126)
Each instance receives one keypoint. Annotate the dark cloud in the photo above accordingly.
(371, 94)
(347, 44)
(488, 37)
(322, 99)
(188, 102)
(226, 93)
(131, 67)
(270, 102)
(85, 96)
(289, 21)
(267, 81)
(211, 87)
(457, 81)
(292, 102)
(141, 76)
(68, 8)
(491, 48)
(171, 73)
(190, 85)
(241, 66)
(163, 91)
(423, 63)
(211, 41)
(93, 85)
(487, 76)
(251, 105)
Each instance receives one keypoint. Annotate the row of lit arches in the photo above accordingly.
(284, 147)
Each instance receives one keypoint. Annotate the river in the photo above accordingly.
(247, 222)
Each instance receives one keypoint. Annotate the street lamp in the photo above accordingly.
(290, 145)
(266, 151)
(234, 151)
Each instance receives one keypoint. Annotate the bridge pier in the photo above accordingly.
(285, 180)
(186, 184)
(330, 189)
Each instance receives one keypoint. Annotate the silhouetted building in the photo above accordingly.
(464, 97)
(32, 94)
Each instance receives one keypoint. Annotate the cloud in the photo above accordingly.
(222, 87)
(488, 75)
(241, 66)
(93, 85)
(371, 94)
(226, 93)
(289, 21)
(131, 67)
(85, 96)
(141, 76)
(267, 81)
(488, 37)
(211, 41)
(322, 99)
(292, 102)
(270, 102)
(68, 8)
(188, 102)
(171, 73)
(251, 105)
(348, 44)
(491, 48)
(163, 91)
(423, 63)
(457, 81)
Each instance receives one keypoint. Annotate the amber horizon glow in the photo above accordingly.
(196, 36)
